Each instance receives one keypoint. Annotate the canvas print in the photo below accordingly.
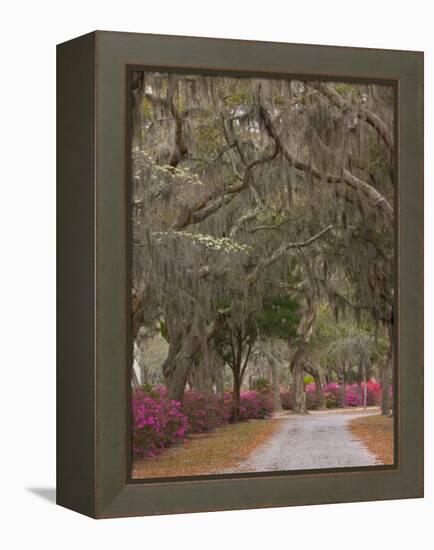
(262, 275)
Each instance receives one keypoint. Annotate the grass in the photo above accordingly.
(207, 453)
(376, 432)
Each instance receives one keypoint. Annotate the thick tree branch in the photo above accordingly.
(279, 252)
(250, 216)
(210, 205)
(375, 199)
(364, 114)
(246, 359)
(351, 305)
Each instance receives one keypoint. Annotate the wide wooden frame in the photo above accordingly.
(93, 274)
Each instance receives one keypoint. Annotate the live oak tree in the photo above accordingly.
(274, 317)
(236, 181)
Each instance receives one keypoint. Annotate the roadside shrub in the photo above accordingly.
(260, 384)
(353, 395)
(157, 421)
(312, 401)
(150, 391)
(286, 399)
(205, 412)
(333, 395)
(374, 393)
(256, 405)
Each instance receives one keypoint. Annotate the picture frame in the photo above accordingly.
(94, 314)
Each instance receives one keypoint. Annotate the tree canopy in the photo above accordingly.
(257, 203)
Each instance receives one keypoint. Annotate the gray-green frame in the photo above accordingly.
(93, 274)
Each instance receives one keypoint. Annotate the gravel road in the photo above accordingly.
(315, 440)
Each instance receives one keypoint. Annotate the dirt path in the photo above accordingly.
(315, 440)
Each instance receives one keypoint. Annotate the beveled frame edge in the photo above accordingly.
(113, 497)
(75, 369)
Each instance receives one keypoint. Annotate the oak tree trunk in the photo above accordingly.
(184, 354)
(169, 365)
(218, 367)
(235, 415)
(183, 362)
(304, 331)
(365, 389)
(385, 373)
(275, 384)
(236, 371)
(298, 395)
(314, 372)
(343, 386)
(385, 388)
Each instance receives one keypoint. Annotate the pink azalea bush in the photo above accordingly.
(333, 397)
(373, 391)
(256, 405)
(312, 400)
(286, 399)
(157, 422)
(354, 394)
(205, 412)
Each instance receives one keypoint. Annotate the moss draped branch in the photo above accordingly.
(208, 206)
(283, 248)
(374, 197)
(364, 114)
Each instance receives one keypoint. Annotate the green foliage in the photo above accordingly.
(223, 303)
(348, 91)
(149, 390)
(272, 216)
(147, 109)
(163, 330)
(209, 136)
(376, 153)
(260, 384)
(327, 330)
(333, 400)
(308, 379)
(334, 344)
(280, 101)
(279, 317)
(238, 99)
